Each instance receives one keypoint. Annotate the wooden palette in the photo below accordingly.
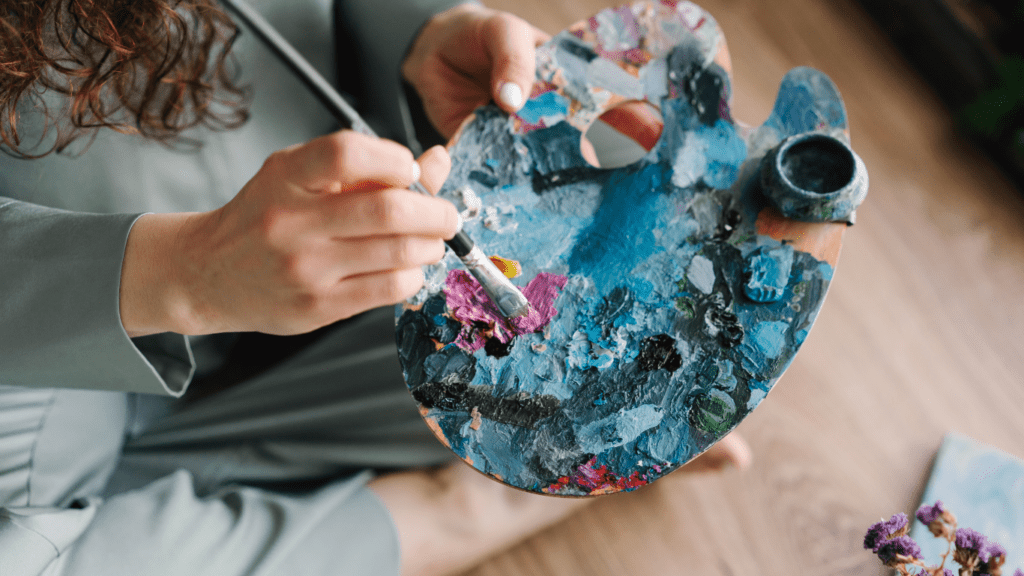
(669, 295)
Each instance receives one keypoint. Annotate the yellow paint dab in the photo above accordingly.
(510, 268)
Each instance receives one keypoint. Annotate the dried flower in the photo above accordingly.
(969, 544)
(993, 556)
(928, 514)
(976, 554)
(880, 532)
(992, 550)
(898, 550)
(970, 540)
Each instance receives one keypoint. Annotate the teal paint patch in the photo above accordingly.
(618, 429)
(549, 106)
(770, 337)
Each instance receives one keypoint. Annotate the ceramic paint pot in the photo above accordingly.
(668, 295)
(814, 177)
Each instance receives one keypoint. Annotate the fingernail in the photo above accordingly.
(416, 172)
(511, 95)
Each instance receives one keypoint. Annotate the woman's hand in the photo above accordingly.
(468, 56)
(324, 230)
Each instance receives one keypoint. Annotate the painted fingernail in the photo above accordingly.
(511, 95)
(416, 171)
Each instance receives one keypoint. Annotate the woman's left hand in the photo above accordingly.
(468, 56)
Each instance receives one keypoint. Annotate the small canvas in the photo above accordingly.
(984, 487)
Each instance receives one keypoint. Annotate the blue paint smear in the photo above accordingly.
(725, 152)
(547, 104)
(807, 100)
(825, 270)
(770, 337)
(620, 236)
(768, 273)
(618, 429)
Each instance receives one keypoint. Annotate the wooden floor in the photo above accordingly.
(922, 332)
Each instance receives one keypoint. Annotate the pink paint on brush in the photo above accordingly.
(481, 319)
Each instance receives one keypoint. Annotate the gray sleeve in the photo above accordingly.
(166, 529)
(385, 30)
(60, 323)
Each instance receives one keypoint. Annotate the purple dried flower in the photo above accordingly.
(970, 540)
(946, 572)
(880, 532)
(928, 514)
(1018, 572)
(902, 545)
(991, 550)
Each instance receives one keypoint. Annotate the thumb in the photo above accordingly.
(511, 44)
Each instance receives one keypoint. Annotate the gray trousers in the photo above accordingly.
(266, 477)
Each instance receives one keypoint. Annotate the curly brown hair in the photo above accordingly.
(149, 67)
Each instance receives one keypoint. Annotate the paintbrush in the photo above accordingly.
(509, 300)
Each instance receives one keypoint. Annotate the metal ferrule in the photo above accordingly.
(502, 292)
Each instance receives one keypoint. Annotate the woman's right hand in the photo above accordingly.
(324, 230)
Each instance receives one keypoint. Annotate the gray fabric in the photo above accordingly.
(222, 485)
(384, 30)
(339, 406)
(174, 503)
(59, 320)
(165, 529)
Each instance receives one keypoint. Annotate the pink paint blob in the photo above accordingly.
(480, 318)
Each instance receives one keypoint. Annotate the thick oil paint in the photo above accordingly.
(661, 317)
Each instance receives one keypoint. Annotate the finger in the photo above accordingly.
(390, 212)
(357, 294)
(540, 37)
(435, 165)
(347, 160)
(637, 120)
(510, 43)
(385, 253)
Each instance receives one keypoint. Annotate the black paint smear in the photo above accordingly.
(413, 345)
(444, 333)
(580, 51)
(487, 179)
(725, 323)
(542, 182)
(555, 148)
(521, 410)
(731, 219)
(441, 395)
(706, 89)
(659, 352)
(450, 364)
(496, 348)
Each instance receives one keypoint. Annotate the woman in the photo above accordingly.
(199, 194)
